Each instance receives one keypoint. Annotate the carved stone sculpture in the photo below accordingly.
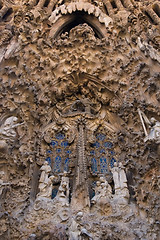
(45, 182)
(76, 229)
(46, 169)
(76, 72)
(46, 190)
(103, 196)
(120, 183)
(153, 126)
(154, 133)
(63, 191)
(97, 192)
(2, 183)
(115, 172)
(7, 132)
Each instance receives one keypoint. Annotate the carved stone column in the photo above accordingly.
(80, 196)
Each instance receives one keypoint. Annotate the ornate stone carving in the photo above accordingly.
(75, 73)
(153, 126)
(8, 133)
(45, 182)
(63, 192)
(76, 229)
(2, 182)
(120, 184)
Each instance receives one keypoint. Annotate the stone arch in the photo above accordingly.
(67, 22)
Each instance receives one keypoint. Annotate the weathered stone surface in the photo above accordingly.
(80, 89)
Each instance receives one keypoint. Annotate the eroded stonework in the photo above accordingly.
(79, 119)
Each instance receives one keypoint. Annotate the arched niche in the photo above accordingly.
(67, 22)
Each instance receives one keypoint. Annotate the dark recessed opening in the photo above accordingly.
(46, 3)
(106, 10)
(156, 9)
(122, 1)
(8, 13)
(113, 4)
(1, 5)
(37, 1)
(77, 19)
(150, 18)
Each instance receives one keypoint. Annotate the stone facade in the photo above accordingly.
(79, 119)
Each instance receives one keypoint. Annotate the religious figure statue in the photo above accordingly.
(76, 229)
(45, 182)
(153, 125)
(97, 192)
(63, 191)
(120, 182)
(103, 195)
(115, 172)
(46, 191)
(2, 183)
(106, 189)
(46, 169)
(122, 176)
(154, 131)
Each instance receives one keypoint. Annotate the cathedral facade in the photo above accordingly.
(79, 120)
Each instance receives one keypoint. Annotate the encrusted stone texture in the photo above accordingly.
(82, 75)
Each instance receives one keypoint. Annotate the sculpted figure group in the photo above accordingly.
(103, 202)
(103, 191)
(46, 185)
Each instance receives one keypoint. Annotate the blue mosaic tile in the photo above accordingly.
(101, 137)
(92, 152)
(58, 150)
(96, 144)
(57, 164)
(102, 151)
(48, 159)
(103, 165)
(60, 136)
(54, 143)
(54, 193)
(108, 145)
(64, 144)
(94, 165)
(112, 152)
(68, 152)
(48, 151)
(113, 160)
(66, 164)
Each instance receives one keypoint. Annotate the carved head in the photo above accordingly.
(153, 120)
(65, 174)
(45, 163)
(52, 178)
(102, 179)
(120, 164)
(98, 183)
(10, 121)
(115, 164)
(79, 216)
(2, 174)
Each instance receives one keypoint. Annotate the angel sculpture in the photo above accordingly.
(7, 130)
(153, 125)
